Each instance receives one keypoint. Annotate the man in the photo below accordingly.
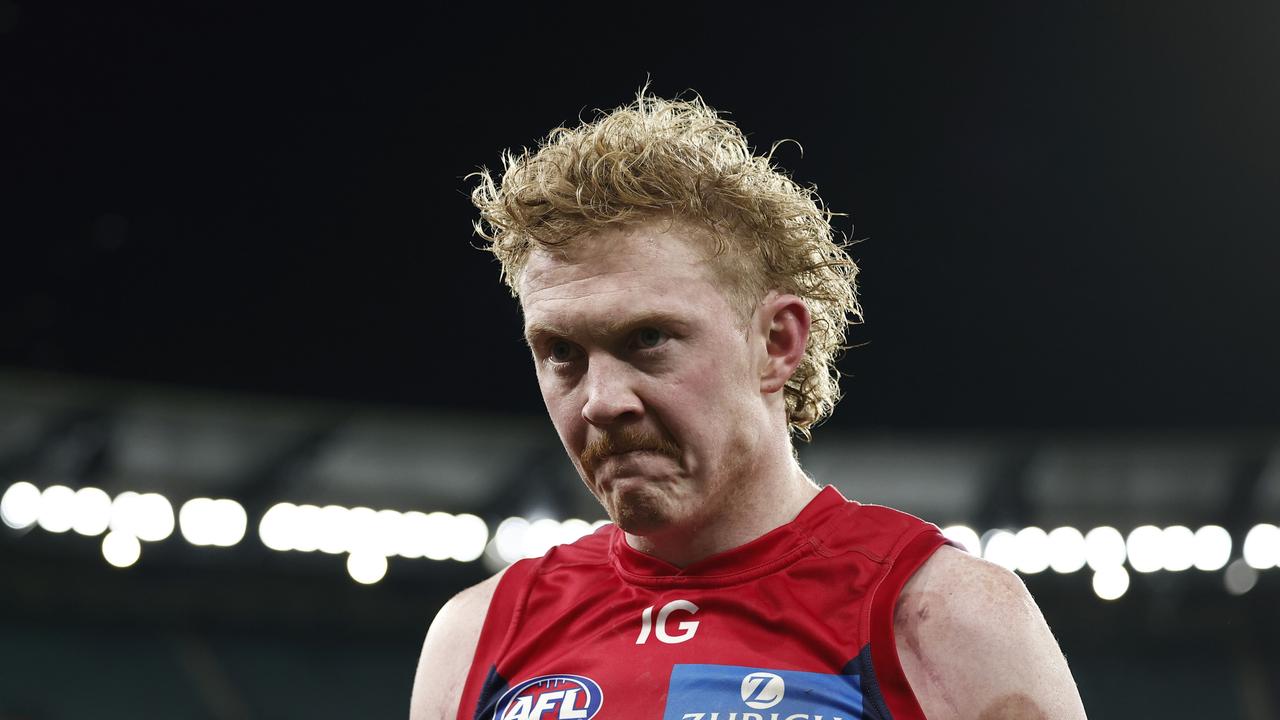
(684, 301)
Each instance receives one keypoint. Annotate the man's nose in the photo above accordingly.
(611, 392)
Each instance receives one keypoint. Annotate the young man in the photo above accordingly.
(684, 301)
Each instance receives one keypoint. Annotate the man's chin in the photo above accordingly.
(637, 509)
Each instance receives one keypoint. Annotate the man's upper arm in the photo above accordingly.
(974, 645)
(447, 653)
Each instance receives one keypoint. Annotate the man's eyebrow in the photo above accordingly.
(534, 331)
(614, 326)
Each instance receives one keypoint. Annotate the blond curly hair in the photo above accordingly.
(680, 158)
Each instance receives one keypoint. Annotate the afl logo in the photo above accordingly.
(552, 697)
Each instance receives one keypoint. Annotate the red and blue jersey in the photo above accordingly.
(795, 625)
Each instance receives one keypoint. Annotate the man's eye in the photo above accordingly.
(650, 337)
(561, 351)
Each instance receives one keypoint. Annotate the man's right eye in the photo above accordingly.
(562, 350)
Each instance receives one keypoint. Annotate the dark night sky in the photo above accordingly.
(1068, 216)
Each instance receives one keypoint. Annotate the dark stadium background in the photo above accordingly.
(1066, 217)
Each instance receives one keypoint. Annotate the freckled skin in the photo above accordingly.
(701, 388)
(974, 646)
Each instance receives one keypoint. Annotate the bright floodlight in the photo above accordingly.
(1066, 550)
(1212, 548)
(437, 538)
(965, 537)
(205, 521)
(1104, 548)
(543, 535)
(121, 549)
(470, 535)
(1239, 577)
(334, 538)
(1031, 549)
(156, 521)
(1262, 547)
(356, 533)
(307, 528)
(599, 524)
(1146, 549)
(410, 534)
(57, 508)
(147, 517)
(1111, 582)
(1179, 548)
(193, 520)
(387, 533)
(276, 527)
(92, 511)
(573, 529)
(230, 522)
(20, 505)
(1001, 549)
(366, 567)
(508, 539)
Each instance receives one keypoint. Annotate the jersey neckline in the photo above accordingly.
(777, 548)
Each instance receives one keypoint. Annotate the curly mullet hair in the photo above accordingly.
(680, 159)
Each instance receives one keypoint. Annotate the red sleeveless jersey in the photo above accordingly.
(795, 625)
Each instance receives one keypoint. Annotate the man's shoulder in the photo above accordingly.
(448, 650)
(471, 604)
(973, 644)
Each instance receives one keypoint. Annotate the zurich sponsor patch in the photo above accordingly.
(730, 692)
(551, 697)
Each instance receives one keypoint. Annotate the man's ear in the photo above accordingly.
(783, 322)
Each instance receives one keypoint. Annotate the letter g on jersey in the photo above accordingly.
(762, 690)
(686, 628)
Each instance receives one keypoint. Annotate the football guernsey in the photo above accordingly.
(795, 625)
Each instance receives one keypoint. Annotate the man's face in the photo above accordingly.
(647, 372)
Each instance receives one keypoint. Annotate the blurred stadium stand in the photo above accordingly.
(247, 631)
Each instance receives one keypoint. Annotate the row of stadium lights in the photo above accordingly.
(369, 537)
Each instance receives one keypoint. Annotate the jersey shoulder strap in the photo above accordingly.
(899, 544)
(506, 608)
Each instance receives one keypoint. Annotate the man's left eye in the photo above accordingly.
(650, 337)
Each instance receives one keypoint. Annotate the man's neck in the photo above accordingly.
(754, 512)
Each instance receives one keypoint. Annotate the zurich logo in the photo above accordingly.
(762, 690)
(552, 697)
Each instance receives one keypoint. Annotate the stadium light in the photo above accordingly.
(1240, 577)
(1066, 550)
(1031, 550)
(470, 535)
(965, 537)
(1104, 547)
(1262, 547)
(20, 505)
(1212, 548)
(121, 549)
(1179, 548)
(147, 517)
(1146, 549)
(209, 522)
(1000, 547)
(91, 511)
(1111, 582)
(366, 567)
(57, 509)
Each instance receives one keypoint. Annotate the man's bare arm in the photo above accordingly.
(974, 645)
(447, 653)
